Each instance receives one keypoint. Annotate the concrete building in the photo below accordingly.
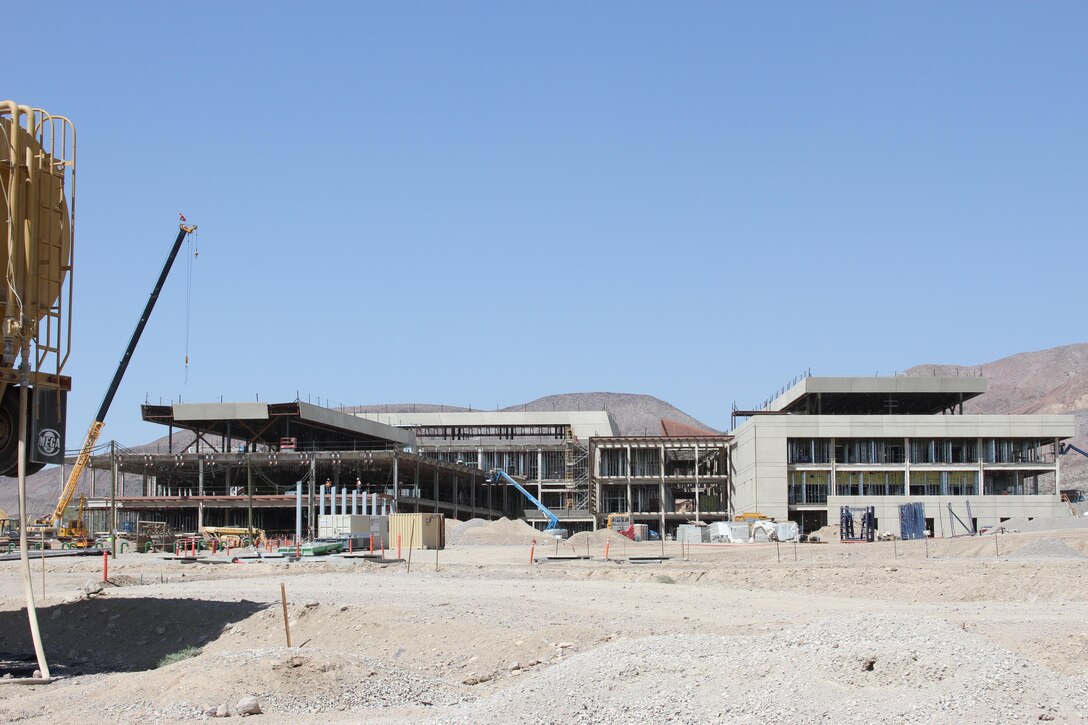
(831, 442)
(662, 481)
(546, 450)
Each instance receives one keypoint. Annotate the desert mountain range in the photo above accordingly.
(1046, 381)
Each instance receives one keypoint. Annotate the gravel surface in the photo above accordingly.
(1046, 548)
(843, 669)
(948, 630)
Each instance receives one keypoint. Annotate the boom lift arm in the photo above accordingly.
(553, 521)
(100, 419)
(1066, 447)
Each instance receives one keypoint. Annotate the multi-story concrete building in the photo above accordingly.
(831, 442)
(662, 481)
(546, 450)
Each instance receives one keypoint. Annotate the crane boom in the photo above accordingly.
(93, 432)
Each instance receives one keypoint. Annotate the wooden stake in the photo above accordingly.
(283, 601)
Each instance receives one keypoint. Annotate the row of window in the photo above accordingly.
(520, 464)
(646, 462)
(813, 487)
(921, 450)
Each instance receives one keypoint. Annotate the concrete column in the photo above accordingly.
(313, 485)
(832, 483)
(539, 474)
(906, 466)
(355, 501)
(298, 511)
(249, 493)
(199, 492)
(1057, 468)
(321, 497)
(696, 482)
(661, 486)
(627, 469)
(344, 500)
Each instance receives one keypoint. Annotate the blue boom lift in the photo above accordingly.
(1066, 447)
(497, 475)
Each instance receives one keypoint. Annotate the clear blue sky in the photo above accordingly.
(480, 204)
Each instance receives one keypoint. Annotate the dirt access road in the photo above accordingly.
(944, 631)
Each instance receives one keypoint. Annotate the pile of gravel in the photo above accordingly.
(501, 532)
(842, 669)
(1046, 548)
(455, 530)
(596, 539)
(315, 683)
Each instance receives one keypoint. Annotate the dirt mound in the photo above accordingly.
(453, 524)
(825, 533)
(1046, 548)
(596, 539)
(286, 682)
(501, 532)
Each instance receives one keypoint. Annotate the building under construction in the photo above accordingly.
(822, 444)
(242, 464)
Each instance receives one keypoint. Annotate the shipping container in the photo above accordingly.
(418, 531)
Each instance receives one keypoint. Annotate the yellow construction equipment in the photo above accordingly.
(232, 536)
(619, 522)
(75, 531)
(751, 516)
(9, 529)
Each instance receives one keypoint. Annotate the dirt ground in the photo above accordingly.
(985, 629)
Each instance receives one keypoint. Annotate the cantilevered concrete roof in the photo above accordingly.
(877, 396)
(584, 423)
(267, 423)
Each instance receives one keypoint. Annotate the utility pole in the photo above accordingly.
(113, 501)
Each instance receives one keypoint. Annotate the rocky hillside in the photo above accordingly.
(44, 487)
(634, 414)
(1046, 381)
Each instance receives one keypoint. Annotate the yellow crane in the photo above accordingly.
(93, 432)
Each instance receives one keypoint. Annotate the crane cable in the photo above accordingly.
(192, 254)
